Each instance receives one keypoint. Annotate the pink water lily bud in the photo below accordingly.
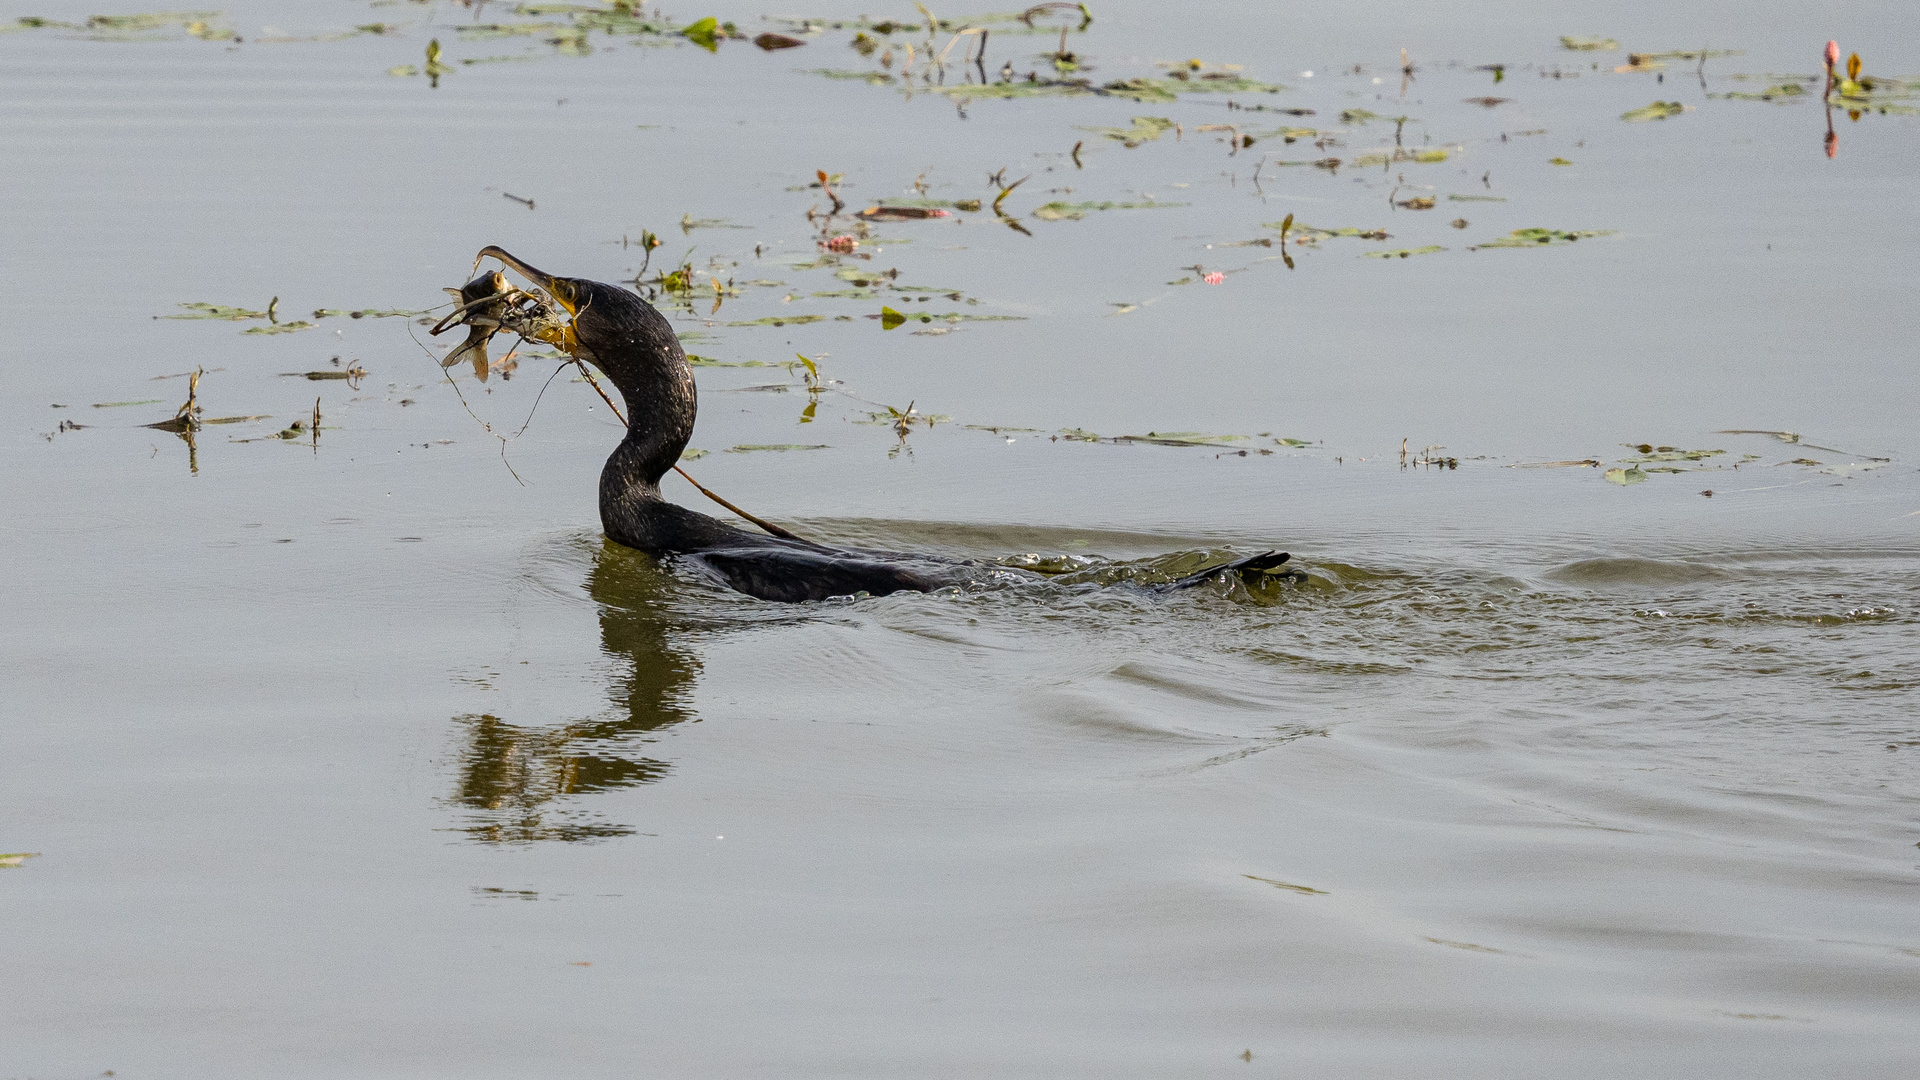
(1214, 278)
(842, 243)
(1833, 53)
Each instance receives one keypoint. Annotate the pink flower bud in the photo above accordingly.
(843, 244)
(1833, 53)
(941, 213)
(1214, 278)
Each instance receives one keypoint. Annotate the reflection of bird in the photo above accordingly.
(633, 344)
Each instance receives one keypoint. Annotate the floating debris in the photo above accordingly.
(1289, 887)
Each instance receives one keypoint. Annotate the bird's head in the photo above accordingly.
(598, 310)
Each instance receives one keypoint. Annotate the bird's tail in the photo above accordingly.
(1266, 560)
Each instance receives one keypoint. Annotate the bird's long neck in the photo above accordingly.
(661, 405)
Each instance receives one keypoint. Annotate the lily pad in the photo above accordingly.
(1402, 252)
(280, 328)
(15, 858)
(752, 448)
(1623, 477)
(1589, 44)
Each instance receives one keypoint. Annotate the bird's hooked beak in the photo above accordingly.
(561, 289)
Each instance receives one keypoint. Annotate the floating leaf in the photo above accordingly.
(704, 33)
(366, 313)
(1624, 477)
(1559, 161)
(215, 311)
(15, 858)
(771, 42)
(1521, 238)
(780, 320)
(1402, 253)
(1182, 438)
(1429, 156)
(1589, 44)
(750, 448)
(889, 318)
(280, 328)
(1659, 110)
(690, 454)
(1144, 129)
(1649, 452)
(1782, 93)
(1063, 211)
(873, 77)
(124, 404)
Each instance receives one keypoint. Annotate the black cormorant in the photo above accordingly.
(632, 343)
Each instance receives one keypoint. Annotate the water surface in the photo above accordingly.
(372, 757)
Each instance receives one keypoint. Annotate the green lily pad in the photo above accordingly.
(279, 328)
(1589, 44)
(752, 448)
(1623, 477)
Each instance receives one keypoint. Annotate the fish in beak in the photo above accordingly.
(484, 302)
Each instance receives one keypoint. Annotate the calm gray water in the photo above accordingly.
(372, 758)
